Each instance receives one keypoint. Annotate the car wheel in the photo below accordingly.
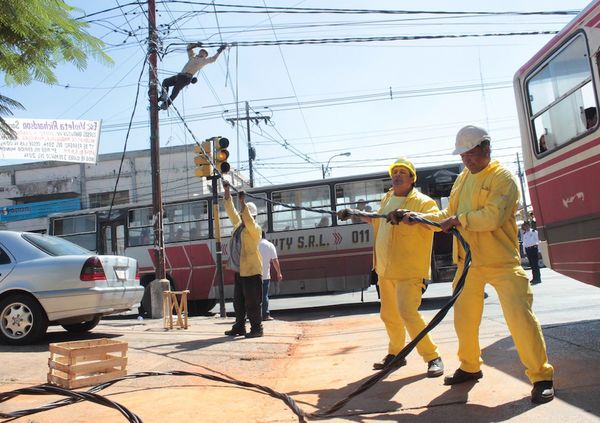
(83, 326)
(22, 320)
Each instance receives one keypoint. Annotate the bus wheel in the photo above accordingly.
(201, 307)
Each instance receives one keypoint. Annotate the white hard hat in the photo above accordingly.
(469, 137)
(252, 209)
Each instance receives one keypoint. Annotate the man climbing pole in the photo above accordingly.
(186, 76)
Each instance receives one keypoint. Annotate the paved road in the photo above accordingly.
(320, 350)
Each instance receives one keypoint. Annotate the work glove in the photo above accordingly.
(198, 44)
(221, 48)
(344, 214)
(395, 217)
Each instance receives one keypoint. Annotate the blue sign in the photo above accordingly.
(39, 209)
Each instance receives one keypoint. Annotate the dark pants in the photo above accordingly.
(265, 298)
(247, 298)
(532, 257)
(178, 82)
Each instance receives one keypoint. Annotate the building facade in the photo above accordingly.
(30, 192)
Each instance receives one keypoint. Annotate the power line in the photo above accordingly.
(344, 40)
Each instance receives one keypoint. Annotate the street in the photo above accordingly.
(318, 350)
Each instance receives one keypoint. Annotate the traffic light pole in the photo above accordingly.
(251, 153)
(218, 252)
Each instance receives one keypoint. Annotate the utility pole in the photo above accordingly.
(158, 285)
(251, 151)
(521, 177)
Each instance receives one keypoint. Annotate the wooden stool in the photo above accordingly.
(170, 304)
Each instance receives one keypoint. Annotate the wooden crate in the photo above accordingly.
(84, 363)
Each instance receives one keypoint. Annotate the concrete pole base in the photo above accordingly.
(155, 290)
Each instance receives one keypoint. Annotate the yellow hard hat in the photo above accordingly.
(404, 162)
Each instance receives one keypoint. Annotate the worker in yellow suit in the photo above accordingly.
(482, 206)
(402, 260)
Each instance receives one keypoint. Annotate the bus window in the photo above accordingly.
(185, 221)
(261, 219)
(285, 219)
(561, 94)
(361, 195)
(78, 229)
(141, 231)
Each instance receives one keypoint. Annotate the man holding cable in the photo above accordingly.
(482, 207)
(402, 260)
(246, 262)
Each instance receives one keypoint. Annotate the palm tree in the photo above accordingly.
(7, 105)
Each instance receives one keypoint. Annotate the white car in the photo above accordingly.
(47, 280)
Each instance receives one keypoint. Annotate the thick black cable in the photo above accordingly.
(73, 396)
(439, 316)
(92, 393)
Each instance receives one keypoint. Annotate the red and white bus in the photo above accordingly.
(317, 255)
(557, 99)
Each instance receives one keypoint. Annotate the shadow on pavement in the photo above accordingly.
(378, 404)
(574, 351)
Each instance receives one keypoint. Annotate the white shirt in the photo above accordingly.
(530, 239)
(268, 253)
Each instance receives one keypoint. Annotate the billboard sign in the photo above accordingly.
(52, 139)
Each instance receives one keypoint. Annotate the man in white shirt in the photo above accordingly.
(530, 244)
(186, 76)
(269, 255)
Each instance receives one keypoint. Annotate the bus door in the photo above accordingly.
(112, 235)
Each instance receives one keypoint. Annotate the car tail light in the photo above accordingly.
(92, 270)
(137, 272)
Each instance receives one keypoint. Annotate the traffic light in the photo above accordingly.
(202, 159)
(221, 154)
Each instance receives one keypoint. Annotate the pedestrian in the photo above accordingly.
(245, 261)
(268, 253)
(186, 76)
(402, 260)
(482, 206)
(530, 244)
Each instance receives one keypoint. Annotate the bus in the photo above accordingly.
(317, 254)
(557, 103)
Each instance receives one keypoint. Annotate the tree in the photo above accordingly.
(35, 37)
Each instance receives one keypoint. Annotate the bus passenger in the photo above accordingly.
(591, 117)
(402, 260)
(482, 206)
(245, 261)
(543, 146)
(323, 223)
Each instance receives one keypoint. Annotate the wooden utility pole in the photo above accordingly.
(159, 247)
(251, 152)
(521, 177)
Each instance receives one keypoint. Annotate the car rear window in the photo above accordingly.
(55, 246)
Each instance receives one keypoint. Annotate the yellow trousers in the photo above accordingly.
(516, 297)
(400, 301)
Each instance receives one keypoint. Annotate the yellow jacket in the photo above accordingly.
(486, 203)
(250, 260)
(407, 253)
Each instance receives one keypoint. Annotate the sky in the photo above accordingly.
(377, 100)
